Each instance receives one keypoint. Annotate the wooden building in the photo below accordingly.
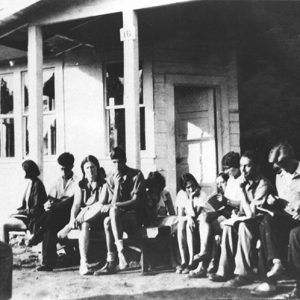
(158, 77)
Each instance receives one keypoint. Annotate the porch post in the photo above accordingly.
(129, 35)
(35, 92)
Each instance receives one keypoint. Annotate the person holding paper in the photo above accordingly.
(241, 232)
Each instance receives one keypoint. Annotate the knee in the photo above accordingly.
(85, 226)
(295, 235)
(113, 212)
(181, 225)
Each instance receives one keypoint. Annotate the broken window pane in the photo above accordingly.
(6, 95)
(49, 118)
(7, 137)
(115, 106)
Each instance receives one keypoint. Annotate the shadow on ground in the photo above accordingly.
(193, 293)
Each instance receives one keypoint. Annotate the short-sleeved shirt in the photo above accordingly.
(258, 190)
(232, 190)
(59, 191)
(288, 188)
(89, 194)
(133, 183)
(192, 207)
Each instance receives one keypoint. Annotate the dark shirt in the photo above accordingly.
(133, 183)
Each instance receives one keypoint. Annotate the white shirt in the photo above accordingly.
(288, 188)
(191, 207)
(59, 191)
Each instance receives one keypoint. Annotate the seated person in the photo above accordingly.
(32, 204)
(58, 206)
(85, 207)
(241, 232)
(126, 193)
(191, 201)
(159, 202)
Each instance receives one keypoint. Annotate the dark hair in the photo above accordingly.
(100, 171)
(118, 153)
(31, 169)
(280, 152)
(66, 159)
(231, 160)
(225, 176)
(185, 178)
(155, 179)
(252, 155)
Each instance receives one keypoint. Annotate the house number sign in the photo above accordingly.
(127, 33)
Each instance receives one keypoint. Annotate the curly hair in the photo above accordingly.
(155, 179)
(188, 177)
(231, 160)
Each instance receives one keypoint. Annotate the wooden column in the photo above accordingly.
(35, 92)
(129, 35)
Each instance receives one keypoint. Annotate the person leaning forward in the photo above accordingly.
(241, 232)
(125, 192)
(275, 229)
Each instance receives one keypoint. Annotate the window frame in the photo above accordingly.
(17, 71)
(147, 104)
(8, 72)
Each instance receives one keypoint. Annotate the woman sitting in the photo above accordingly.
(191, 202)
(160, 202)
(84, 206)
(32, 204)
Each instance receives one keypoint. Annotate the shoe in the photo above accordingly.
(108, 268)
(276, 270)
(63, 233)
(187, 269)
(44, 268)
(212, 267)
(217, 278)
(200, 257)
(264, 289)
(123, 264)
(197, 274)
(180, 268)
(84, 269)
(239, 281)
(293, 295)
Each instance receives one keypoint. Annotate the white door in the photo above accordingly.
(195, 135)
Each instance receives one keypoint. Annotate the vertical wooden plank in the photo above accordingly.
(131, 88)
(18, 109)
(35, 92)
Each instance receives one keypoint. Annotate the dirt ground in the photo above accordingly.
(66, 283)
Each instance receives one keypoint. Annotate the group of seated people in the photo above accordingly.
(246, 211)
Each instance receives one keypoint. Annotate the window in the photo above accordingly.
(7, 130)
(49, 114)
(115, 108)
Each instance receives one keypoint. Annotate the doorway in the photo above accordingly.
(195, 134)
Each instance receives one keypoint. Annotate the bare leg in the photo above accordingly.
(84, 240)
(182, 240)
(108, 238)
(190, 243)
(10, 224)
(117, 229)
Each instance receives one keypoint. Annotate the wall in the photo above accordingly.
(212, 61)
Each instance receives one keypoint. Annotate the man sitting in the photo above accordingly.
(125, 192)
(237, 250)
(58, 207)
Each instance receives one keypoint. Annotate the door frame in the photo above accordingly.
(218, 83)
